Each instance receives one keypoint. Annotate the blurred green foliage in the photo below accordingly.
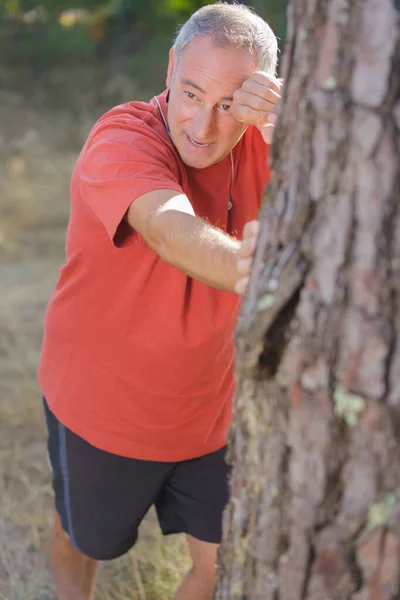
(55, 39)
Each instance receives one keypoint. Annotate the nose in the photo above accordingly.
(203, 125)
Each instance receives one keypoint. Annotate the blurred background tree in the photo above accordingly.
(68, 44)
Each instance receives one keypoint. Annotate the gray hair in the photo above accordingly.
(231, 25)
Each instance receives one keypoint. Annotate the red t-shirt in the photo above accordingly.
(137, 357)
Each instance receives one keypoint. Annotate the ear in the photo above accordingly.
(170, 70)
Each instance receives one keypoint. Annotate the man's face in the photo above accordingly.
(201, 86)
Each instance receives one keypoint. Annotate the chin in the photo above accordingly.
(196, 163)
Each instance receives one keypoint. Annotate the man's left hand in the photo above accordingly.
(255, 103)
(246, 255)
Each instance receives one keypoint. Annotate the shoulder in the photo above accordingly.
(130, 130)
(129, 119)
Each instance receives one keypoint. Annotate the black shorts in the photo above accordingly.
(102, 498)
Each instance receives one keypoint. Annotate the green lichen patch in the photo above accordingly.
(265, 302)
(330, 83)
(379, 512)
(348, 405)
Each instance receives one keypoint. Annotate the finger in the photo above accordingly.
(241, 285)
(258, 89)
(267, 101)
(251, 228)
(247, 247)
(267, 132)
(244, 265)
(250, 116)
(265, 79)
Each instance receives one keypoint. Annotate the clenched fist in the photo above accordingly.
(256, 102)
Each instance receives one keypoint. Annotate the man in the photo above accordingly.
(137, 358)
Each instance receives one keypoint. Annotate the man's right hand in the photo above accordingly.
(246, 254)
(256, 102)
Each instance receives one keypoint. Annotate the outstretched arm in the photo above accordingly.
(167, 223)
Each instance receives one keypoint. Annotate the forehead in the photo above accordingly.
(212, 67)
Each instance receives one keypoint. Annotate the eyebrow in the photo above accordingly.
(197, 87)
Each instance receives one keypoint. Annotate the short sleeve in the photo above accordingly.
(121, 163)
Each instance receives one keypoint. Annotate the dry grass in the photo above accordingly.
(36, 160)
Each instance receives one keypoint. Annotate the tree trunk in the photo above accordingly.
(315, 493)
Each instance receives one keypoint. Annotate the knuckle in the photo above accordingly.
(257, 75)
(259, 103)
(247, 85)
(244, 112)
(237, 95)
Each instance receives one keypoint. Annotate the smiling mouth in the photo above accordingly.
(198, 144)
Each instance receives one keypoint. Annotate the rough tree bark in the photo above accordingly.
(315, 492)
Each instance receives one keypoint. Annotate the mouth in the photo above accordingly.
(198, 144)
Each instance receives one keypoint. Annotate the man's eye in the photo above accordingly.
(190, 95)
(225, 107)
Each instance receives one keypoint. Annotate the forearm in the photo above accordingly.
(196, 248)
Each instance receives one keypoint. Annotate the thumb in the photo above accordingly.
(267, 132)
(267, 129)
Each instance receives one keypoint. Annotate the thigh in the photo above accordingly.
(100, 497)
(193, 498)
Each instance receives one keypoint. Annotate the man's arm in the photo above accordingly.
(167, 222)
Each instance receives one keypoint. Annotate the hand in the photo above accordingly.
(256, 102)
(246, 254)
